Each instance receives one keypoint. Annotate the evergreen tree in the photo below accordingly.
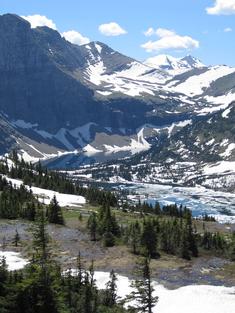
(184, 246)
(40, 237)
(16, 238)
(111, 291)
(157, 208)
(40, 290)
(107, 221)
(149, 240)
(92, 225)
(134, 236)
(88, 300)
(143, 289)
(80, 217)
(108, 239)
(4, 243)
(54, 212)
(190, 235)
(3, 285)
(80, 272)
(232, 248)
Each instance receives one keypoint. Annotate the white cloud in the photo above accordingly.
(112, 29)
(169, 40)
(228, 29)
(149, 32)
(162, 32)
(75, 37)
(72, 35)
(222, 7)
(39, 20)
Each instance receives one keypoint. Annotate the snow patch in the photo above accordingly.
(225, 114)
(98, 47)
(229, 150)
(196, 85)
(90, 149)
(104, 93)
(220, 167)
(13, 260)
(95, 72)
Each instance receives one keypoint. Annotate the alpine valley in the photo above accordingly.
(164, 120)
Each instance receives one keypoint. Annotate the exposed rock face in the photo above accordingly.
(34, 85)
(57, 96)
(44, 83)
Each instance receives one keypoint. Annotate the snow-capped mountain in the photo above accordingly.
(173, 65)
(57, 98)
(110, 72)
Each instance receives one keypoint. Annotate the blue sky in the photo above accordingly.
(179, 27)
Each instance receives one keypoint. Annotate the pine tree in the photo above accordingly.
(80, 217)
(232, 248)
(30, 211)
(40, 237)
(108, 239)
(54, 212)
(143, 289)
(190, 235)
(92, 225)
(16, 238)
(157, 208)
(149, 240)
(4, 243)
(3, 286)
(105, 224)
(134, 235)
(80, 272)
(40, 290)
(111, 291)
(107, 221)
(184, 247)
(88, 297)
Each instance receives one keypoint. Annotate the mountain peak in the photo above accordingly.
(13, 17)
(11, 21)
(174, 65)
(99, 48)
(194, 62)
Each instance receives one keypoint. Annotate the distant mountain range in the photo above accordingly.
(58, 98)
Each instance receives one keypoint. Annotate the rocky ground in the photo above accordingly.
(67, 241)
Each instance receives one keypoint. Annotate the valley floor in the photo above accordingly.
(171, 271)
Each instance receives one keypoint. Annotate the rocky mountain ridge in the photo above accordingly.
(57, 98)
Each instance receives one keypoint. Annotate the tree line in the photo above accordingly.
(151, 235)
(20, 203)
(39, 176)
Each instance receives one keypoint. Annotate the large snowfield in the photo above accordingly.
(187, 299)
(45, 195)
